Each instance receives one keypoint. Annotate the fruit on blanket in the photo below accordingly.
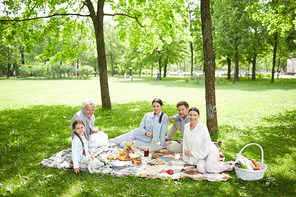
(136, 162)
(170, 172)
(127, 157)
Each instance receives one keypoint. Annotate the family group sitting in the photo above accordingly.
(198, 147)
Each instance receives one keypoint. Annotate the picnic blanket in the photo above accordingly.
(62, 160)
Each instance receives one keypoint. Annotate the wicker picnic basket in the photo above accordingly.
(249, 175)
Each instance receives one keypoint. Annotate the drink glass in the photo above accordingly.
(146, 152)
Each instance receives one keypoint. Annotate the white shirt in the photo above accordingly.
(198, 141)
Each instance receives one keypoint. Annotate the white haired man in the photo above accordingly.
(86, 114)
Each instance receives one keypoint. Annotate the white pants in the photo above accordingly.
(210, 164)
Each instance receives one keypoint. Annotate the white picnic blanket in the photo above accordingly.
(62, 160)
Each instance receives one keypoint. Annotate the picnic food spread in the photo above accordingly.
(157, 154)
(113, 157)
(130, 151)
(157, 161)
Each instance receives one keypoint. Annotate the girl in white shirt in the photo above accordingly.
(79, 144)
(198, 147)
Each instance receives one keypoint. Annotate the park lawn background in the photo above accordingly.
(35, 116)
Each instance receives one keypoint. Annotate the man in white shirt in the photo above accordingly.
(86, 114)
(180, 120)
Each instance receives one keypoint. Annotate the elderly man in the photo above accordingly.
(86, 114)
(180, 120)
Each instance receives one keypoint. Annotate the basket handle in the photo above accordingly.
(262, 155)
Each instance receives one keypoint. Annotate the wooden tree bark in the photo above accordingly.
(229, 68)
(254, 67)
(209, 65)
(159, 65)
(274, 57)
(97, 20)
(235, 72)
(165, 66)
(191, 51)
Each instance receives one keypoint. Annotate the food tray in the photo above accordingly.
(163, 158)
(129, 159)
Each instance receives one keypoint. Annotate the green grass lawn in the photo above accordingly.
(35, 116)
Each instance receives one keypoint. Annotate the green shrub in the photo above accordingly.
(220, 80)
(38, 71)
(85, 70)
(24, 71)
(195, 79)
(70, 70)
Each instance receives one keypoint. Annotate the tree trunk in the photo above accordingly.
(99, 33)
(131, 72)
(165, 66)
(254, 67)
(274, 57)
(209, 65)
(229, 68)
(152, 70)
(8, 70)
(159, 65)
(235, 73)
(191, 50)
(23, 58)
(140, 73)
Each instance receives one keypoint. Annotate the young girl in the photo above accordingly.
(79, 144)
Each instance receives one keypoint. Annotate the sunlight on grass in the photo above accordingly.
(35, 118)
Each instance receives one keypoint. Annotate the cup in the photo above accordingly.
(146, 152)
(121, 153)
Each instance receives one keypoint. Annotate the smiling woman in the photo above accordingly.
(153, 126)
(198, 147)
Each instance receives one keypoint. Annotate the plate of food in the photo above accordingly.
(157, 154)
(119, 164)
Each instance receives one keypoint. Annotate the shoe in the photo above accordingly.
(168, 138)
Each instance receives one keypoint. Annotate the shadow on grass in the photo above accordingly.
(277, 137)
(30, 135)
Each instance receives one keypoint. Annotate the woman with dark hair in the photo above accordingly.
(153, 126)
(198, 147)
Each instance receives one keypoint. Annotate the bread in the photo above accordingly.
(128, 144)
(256, 164)
(157, 161)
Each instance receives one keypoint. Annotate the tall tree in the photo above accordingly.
(163, 22)
(279, 18)
(68, 10)
(209, 65)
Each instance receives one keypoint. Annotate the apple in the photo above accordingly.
(128, 149)
(256, 168)
(170, 172)
(127, 157)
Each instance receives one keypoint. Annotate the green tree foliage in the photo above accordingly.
(162, 22)
(24, 71)
(38, 70)
(85, 70)
(279, 18)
